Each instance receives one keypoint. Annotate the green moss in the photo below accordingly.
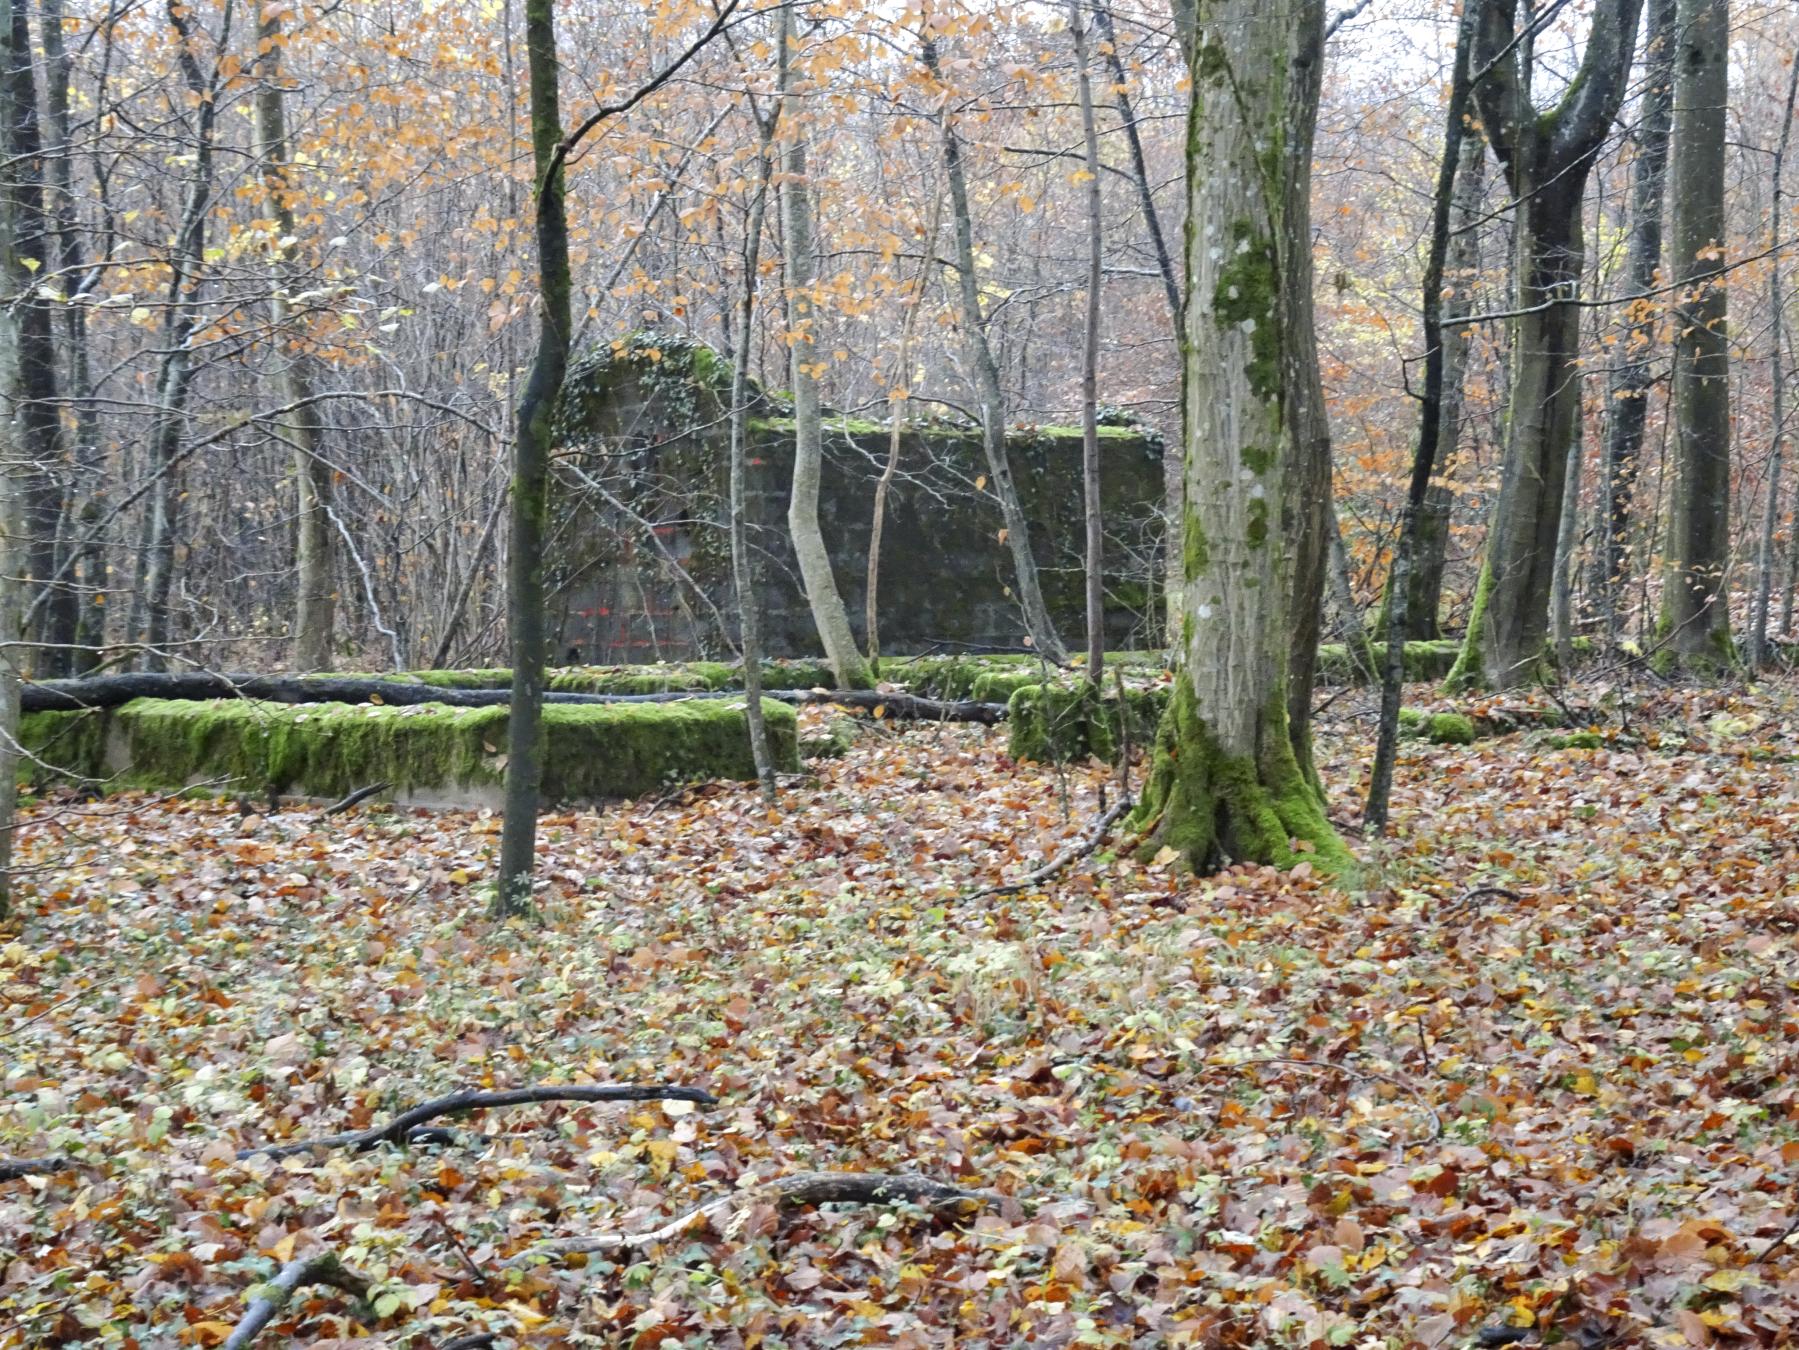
(1423, 660)
(1057, 723)
(1257, 459)
(62, 747)
(1196, 553)
(327, 750)
(1450, 729)
(1469, 671)
(1577, 740)
(1246, 297)
(837, 741)
(1213, 809)
(1258, 522)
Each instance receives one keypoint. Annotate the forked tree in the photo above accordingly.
(1547, 156)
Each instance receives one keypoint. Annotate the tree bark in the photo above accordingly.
(88, 584)
(1547, 158)
(187, 262)
(1037, 622)
(1461, 266)
(743, 561)
(829, 614)
(1225, 784)
(1633, 375)
(531, 473)
(1695, 620)
(898, 398)
(1430, 434)
(13, 488)
(1096, 547)
(1765, 562)
(39, 433)
(315, 594)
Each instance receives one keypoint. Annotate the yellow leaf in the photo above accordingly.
(662, 1155)
(980, 485)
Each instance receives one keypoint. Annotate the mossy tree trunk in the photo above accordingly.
(1225, 784)
(1695, 573)
(1771, 512)
(315, 596)
(988, 391)
(1547, 158)
(829, 615)
(531, 474)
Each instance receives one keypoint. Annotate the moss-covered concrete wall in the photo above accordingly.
(647, 420)
(430, 754)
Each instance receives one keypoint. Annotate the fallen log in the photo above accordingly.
(319, 1268)
(11, 1169)
(111, 691)
(802, 1188)
(406, 1127)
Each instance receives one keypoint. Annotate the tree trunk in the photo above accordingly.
(1547, 159)
(899, 396)
(1561, 600)
(1224, 784)
(87, 584)
(1430, 434)
(1309, 515)
(531, 474)
(829, 615)
(1037, 623)
(1695, 622)
(1461, 265)
(39, 433)
(1127, 117)
(13, 487)
(187, 261)
(743, 561)
(1096, 547)
(1356, 644)
(1633, 375)
(1764, 567)
(315, 593)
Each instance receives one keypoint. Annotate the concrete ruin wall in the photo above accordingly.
(641, 552)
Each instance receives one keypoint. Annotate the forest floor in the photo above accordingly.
(1245, 1110)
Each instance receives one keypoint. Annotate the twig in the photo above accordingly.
(361, 794)
(1094, 839)
(400, 1129)
(1436, 1121)
(319, 1268)
(1478, 893)
(802, 1188)
(1778, 1242)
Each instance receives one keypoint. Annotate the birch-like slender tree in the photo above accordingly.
(829, 615)
(1096, 547)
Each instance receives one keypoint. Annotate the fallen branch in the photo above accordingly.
(404, 1128)
(111, 691)
(1325, 1066)
(362, 794)
(319, 1268)
(11, 1169)
(802, 1188)
(1072, 854)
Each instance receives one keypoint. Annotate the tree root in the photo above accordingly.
(319, 1268)
(404, 1128)
(802, 1188)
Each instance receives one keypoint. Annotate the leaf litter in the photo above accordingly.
(1532, 1079)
